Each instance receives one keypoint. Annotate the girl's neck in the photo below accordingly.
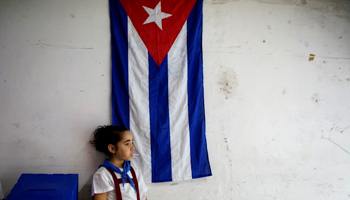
(116, 162)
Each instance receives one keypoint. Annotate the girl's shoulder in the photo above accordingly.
(102, 181)
(103, 174)
(102, 170)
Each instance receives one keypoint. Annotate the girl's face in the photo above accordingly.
(125, 147)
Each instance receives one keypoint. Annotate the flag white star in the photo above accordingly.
(155, 15)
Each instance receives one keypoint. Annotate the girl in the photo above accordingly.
(116, 179)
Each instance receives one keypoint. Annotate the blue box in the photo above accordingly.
(45, 187)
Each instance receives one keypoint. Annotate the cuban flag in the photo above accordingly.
(157, 85)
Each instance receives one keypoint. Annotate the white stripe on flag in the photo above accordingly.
(178, 108)
(139, 100)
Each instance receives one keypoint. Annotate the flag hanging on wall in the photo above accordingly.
(157, 85)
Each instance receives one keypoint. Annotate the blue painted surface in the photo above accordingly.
(45, 187)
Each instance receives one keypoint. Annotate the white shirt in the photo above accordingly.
(103, 182)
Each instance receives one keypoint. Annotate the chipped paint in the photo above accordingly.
(312, 56)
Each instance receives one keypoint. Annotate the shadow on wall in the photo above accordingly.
(93, 159)
(85, 191)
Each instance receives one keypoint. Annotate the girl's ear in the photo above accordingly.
(111, 148)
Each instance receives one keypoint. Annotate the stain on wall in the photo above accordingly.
(311, 57)
(316, 98)
(227, 83)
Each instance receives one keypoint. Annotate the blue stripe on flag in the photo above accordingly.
(119, 39)
(159, 119)
(199, 155)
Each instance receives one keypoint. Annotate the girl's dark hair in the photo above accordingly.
(105, 135)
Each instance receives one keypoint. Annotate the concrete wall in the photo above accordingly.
(278, 125)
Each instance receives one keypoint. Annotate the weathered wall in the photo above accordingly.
(278, 125)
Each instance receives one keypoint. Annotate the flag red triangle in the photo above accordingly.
(158, 40)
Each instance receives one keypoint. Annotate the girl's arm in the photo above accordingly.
(101, 196)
